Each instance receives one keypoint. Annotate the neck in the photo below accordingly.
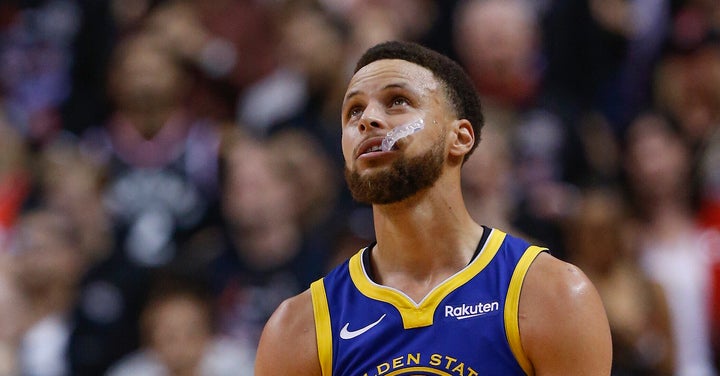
(670, 220)
(423, 240)
(150, 121)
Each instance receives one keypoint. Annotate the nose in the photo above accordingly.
(371, 118)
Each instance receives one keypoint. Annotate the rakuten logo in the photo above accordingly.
(467, 311)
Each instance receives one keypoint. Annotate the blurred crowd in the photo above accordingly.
(170, 170)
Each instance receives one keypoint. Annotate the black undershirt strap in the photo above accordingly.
(366, 260)
(481, 243)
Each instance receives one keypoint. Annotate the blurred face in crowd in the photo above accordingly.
(382, 96)
(313, 189)
(146, 79)
(657, 159)
(313, 46)
(71, 185)
(178, 330)
(255, 196)
(259, 206)
(496, 41)
(688, 86)
(47, 255)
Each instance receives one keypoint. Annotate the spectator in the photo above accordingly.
(636, 306)
(686, 86)
(178, 331)
(315, 190)
(47, 266)
(498, 43)
(232, 44)
(313, 47)
(687, 89)
(102, 24)
(161, 159)
(674, 251)
(72, 184)
(160, 187)
(263, 256)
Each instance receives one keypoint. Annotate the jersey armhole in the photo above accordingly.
(323, 330)
(512, 302)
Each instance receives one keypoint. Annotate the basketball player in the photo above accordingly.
(437, 293)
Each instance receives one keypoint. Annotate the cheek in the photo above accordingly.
(347, 146)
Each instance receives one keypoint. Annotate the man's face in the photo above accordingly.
(380, 97)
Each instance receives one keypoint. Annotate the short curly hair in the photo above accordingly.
(458, 87)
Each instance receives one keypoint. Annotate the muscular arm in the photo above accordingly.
(288, 345)
(563, 326)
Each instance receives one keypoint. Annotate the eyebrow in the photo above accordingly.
(394, 85)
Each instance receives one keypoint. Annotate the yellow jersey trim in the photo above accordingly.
(416, 315)
(323, 331)
(512, 302)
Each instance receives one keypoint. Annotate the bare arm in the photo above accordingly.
(288, 345)
(563, 326)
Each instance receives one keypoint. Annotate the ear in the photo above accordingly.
(464, 138)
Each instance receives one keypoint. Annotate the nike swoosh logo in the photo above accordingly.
(350, 334)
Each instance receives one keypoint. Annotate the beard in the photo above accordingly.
(404, 178)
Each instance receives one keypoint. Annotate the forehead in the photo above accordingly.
(378, 74)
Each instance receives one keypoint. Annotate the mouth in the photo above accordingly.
(372, 146)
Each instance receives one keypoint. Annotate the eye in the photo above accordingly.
(400, 101)
(355, 112)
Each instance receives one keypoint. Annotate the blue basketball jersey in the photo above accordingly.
(466, 326)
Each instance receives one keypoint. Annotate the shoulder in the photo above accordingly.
(562, 322)
(288, 345)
